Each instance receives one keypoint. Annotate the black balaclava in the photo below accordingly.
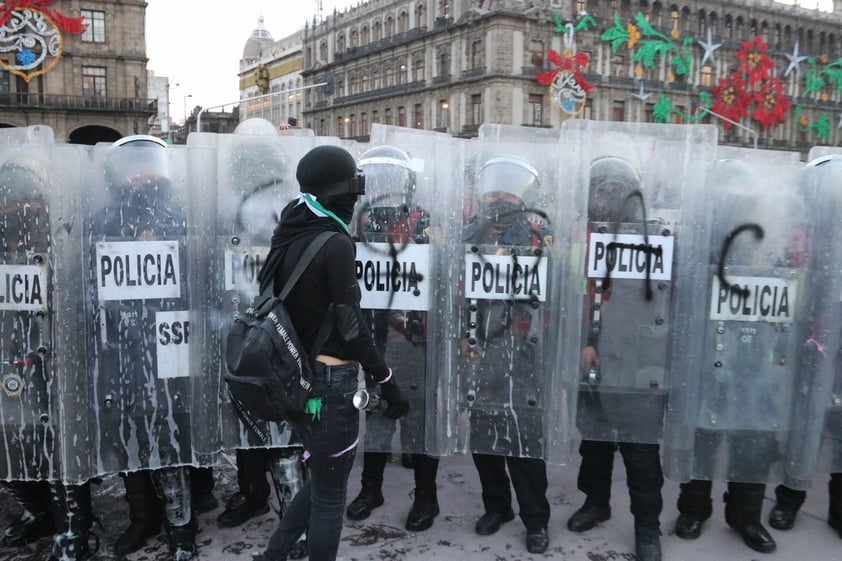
(322, 172)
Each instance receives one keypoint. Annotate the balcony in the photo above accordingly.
(441, 80)
(472, 73)
(58, 102)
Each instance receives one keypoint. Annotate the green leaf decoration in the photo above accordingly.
(823, 127)
(583, 25)
(648, 50)
(647, 30)
(617, 34)
(663, 109)
(559, 26)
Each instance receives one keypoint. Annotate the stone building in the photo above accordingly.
(451, 65)
(88, 85)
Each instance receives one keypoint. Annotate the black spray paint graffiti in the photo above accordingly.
(755, 229)
(646, 248)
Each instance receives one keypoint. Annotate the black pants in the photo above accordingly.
(529, 478)
(643, 475)
(424, 468)
(252, 464)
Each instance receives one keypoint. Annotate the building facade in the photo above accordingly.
(86, 75)
(765, 72)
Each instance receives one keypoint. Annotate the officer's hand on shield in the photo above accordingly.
(396, 405)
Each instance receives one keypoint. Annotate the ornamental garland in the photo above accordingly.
(65, 23)
(750, 91)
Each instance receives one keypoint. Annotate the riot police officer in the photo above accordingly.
(48, 508)
(610, 420)
(143, 209)
(390, 215)
(499, 354)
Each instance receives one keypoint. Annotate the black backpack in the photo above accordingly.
(269, 376)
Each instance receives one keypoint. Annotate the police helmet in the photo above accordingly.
(136, 161)
(390, 179)
(611, 181)
(512, 175)
(256, 126)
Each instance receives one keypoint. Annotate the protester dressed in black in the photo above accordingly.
(330, 186)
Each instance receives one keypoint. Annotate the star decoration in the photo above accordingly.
(709, 46)
(794, 60)
(642, 96)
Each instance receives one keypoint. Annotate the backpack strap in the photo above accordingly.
(302, 264)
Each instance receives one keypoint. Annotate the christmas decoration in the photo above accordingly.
(32, 31)
(568, 87)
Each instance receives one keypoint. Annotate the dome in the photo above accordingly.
(257, 43)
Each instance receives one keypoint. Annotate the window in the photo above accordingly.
(581, 7)
(389, 78)
(403, 22)
(444, 106)
(375, 116)
(388, 117)
(364, 83)
(353, 38)
(340, 126)
(443, 65)
(352, 126)
(323, 51)
(401, 116)
(418, 116)
(420, 14)
(400, 74)
(418, 69)
(322, 128)
(376, 31)
(729, 27)
(340, 42)
(476, 109)
(618, 111)
(675, 117)
(93, 81)
(444, 7)
(618, 66)
(390, 26)
(476, 54)
(536, 109)
(706, 79)
(95, 32)
(588, 111)
(363, 123)
(649, 113)
(364, 35)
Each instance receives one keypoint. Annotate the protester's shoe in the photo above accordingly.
(424, 510)
(781, 517)
(27, 528)
(688, 527)
(299, 550)
(240, 508)
(537, 541)
(647, 547)
(361, 507)
(490, 522)
(587, 517)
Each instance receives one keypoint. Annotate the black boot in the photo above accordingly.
(787, 503)
(201, 489)
(694, 506)
(424, 510)
(70, 507)
(647, 547)
(834, 511)
(370, 497)
(34, 522)
(144, 513)
(252, 497)
(744, 505)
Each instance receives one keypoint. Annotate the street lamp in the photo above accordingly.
(169, 124)
(184, 101)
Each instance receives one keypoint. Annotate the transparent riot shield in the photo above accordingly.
(631, 181)
(240, 183)
(397, 225)
(29, 401)
(134, 234)
(503, 317)
(815, 435)
(739, 309)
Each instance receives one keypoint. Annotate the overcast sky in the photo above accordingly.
(198, 44)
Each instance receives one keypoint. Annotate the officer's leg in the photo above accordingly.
(201, 489)
(252, 497)
(371, 492)
(34, 522)
(743, 507)
(787, 504)
(595, 482)
(529, 478)
(70, 507)
(834, 516)
(496, 493)
(144, 513)
(645, 479)
(694, 507)
(425, 507)
(288, 472)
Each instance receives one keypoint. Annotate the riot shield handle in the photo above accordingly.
(757, 230)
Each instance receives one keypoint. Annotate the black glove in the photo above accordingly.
(396, 405)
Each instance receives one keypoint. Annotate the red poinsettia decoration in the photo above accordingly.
(574, 64)
(754, 62)
(731, 99)
(63, 22)
(771, 103)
